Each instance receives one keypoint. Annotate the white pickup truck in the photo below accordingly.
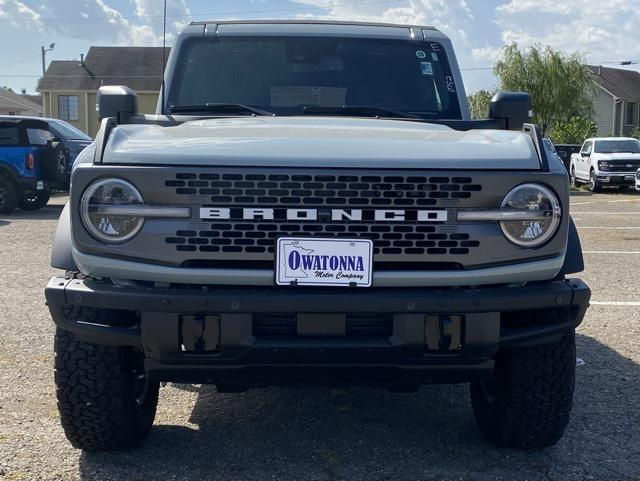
(606, 162)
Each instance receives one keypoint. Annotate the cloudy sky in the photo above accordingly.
(602, 31)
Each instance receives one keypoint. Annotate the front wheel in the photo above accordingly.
(34, 199)
(9, 195)
(594, 186)
(528, 401)
(574, 180)
(105, 400)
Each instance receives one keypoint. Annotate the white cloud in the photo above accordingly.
(21, 14)
(104, 23)
(602, 32)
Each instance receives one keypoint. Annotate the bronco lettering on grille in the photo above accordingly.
(380, 215)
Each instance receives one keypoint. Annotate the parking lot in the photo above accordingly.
(330, 434)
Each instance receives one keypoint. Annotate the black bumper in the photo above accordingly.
(30, 183)
(237, 337)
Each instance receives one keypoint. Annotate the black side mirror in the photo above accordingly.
(115, 100)
(513, 108)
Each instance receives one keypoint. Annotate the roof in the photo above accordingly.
(11, 100)
(624, 84)
(139, 68)
(34, 98)
(597, 139)
(313, 28)
(308, 22)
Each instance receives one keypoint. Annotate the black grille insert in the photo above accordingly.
(283, 325)
(323, 190)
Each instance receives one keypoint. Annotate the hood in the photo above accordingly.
(320, 142)
(620, 157)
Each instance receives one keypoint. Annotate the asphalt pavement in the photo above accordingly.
(326, 434)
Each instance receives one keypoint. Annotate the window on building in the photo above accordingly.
(68, 107)
(631, 113)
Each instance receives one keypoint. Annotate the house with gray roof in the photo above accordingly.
(616, 103)
(69, 87)
(12, 103)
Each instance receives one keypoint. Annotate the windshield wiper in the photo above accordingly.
(358, 110)
(220, 108)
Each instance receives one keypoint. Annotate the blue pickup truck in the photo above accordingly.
(36, 156)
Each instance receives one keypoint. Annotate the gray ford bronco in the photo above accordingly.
(312, 206)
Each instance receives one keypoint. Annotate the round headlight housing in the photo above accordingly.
(538, 199)
(99, 216)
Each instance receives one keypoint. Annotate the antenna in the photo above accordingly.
(164, 43)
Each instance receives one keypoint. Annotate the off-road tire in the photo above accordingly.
(34, 199)
(100, 401)
(594, 186)
(9, 195)
(527, 403)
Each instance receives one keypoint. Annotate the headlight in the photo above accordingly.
(638, 174)
(532, 233)
(603, 165)
(99, 216)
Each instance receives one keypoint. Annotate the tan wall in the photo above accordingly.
(146, 105)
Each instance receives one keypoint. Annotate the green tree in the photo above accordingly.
(561, 87)
(574, 130)
(479, 104)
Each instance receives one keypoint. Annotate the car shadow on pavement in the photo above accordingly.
(369, 434)
(49, 212)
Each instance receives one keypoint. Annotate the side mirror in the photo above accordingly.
(513, 108)
(115, 100)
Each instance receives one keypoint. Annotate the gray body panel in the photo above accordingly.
(156, 243)
(320, 142)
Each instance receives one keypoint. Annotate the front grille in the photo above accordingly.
(284, 325)
(624, 165)
(253, 237)
(286, 190)
(323, 191)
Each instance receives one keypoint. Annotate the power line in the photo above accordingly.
(18, 61)
(228, 12)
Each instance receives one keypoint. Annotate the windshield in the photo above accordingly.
(68, 131)
(284, 75)
(618, 146)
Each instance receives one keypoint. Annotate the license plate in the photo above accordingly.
(629, 177)
(324, 262)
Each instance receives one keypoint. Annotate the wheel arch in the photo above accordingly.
(573, 259)
(61, 253)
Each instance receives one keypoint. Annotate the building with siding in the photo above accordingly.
(69, 87)
(12, 103)
(616, 103)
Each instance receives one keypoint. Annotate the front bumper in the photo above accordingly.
(234, 337)
(31, 183)
(617, 178)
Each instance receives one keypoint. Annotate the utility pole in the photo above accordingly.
(43, 51)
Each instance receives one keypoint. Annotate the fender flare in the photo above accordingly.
(61, 253)
(573, 260)
(8, 171)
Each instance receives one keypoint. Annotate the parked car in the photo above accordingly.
(551, 149)
(638, 180)
(304, 217)
(606, 162)
(565, 151)
(36, 156)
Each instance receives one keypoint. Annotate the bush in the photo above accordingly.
(574, 130)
